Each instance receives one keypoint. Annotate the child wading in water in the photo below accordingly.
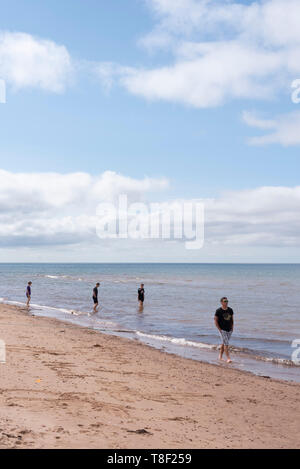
(141, 296)
(95, 297)
(28, 293)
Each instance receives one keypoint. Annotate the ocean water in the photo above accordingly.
(180, 301)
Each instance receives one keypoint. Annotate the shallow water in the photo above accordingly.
(179, 307)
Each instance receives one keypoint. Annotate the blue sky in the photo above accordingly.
(202, 148)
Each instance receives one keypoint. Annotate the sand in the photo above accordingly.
(64, 386)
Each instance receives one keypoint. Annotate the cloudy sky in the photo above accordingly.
(162, 100)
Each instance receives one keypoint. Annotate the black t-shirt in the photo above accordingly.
(225, 318)
(95, 292)
(141, 294)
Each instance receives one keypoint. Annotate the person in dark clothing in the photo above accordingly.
(28, 293)
(224, 324)
(95, 296)
(141, 296)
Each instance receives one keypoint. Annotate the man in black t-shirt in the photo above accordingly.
(224, 324)
(95, 296)
(141, 295)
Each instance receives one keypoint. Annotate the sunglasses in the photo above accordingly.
(225, 301)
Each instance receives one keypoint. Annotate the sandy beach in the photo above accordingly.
(64, 386)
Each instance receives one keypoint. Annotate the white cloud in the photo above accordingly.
(264, 216)
(217, 71)
(285, 129)
(222, 50)
(108, 71)
(38, 192)
(28, 61)
(49, 209)
(52, 208)
(270, 22)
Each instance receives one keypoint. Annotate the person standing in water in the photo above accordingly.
(141, 296)
(28, 293)
(95, 296)
(224, 324)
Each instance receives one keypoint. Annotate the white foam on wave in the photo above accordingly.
(177, 341)
(59, 277)
(92, 319)
(201, 345)
(278, 361)
(42, 307)
(8, 302)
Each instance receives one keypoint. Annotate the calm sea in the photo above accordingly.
(180, 302)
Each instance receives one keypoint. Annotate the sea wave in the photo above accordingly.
(90, 319)
(249, 338)
(62, 277)
(42, 307)
(177, 341)
(202, 345)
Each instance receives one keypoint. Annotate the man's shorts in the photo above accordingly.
(95, 300)
(225, 335)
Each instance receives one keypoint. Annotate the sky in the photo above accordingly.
(161, 100)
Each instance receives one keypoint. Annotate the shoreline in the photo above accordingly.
(54, 395)
(163, 350)
(256, 365)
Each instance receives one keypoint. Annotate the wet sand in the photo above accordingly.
(64, 386)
